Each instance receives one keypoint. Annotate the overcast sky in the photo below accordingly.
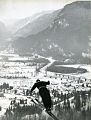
(12, 9)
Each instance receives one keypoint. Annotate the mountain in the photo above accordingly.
(2, 31)
(3, 35)
(32, 25)
(66, 36)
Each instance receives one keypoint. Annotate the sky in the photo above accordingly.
(17, 9)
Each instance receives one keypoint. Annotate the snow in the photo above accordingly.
(18, 58)
(49, 64)
(60, 82)
(63, 23)
(8, 54)
(4, 103)
(0, 58)
(55, 45)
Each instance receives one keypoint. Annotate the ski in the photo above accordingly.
(36, 103)
(52, 115)
(42, 107)
(40, 103)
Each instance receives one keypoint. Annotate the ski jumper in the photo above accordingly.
(44, 93)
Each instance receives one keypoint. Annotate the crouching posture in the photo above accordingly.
(44, 93)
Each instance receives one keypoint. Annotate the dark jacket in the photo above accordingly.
(39, 85)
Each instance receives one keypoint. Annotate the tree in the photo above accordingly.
(0, 108)
(78, 102)
(68, 104)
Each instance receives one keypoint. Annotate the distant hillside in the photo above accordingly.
(65, 36)
(33, 25)
(3, 35)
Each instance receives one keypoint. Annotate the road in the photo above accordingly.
(51, 61)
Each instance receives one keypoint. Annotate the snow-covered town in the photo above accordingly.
(19, 73)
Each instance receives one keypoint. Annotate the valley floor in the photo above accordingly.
(27, 75)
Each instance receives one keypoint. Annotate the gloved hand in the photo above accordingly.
(48, 82)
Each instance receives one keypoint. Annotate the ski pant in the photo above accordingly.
(45, 95)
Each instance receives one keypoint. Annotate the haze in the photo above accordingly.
(10, 10)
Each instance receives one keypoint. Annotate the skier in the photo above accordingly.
(44, 93)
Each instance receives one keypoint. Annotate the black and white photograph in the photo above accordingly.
(45, 60)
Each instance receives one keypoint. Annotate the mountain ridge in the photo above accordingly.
(67, 36)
